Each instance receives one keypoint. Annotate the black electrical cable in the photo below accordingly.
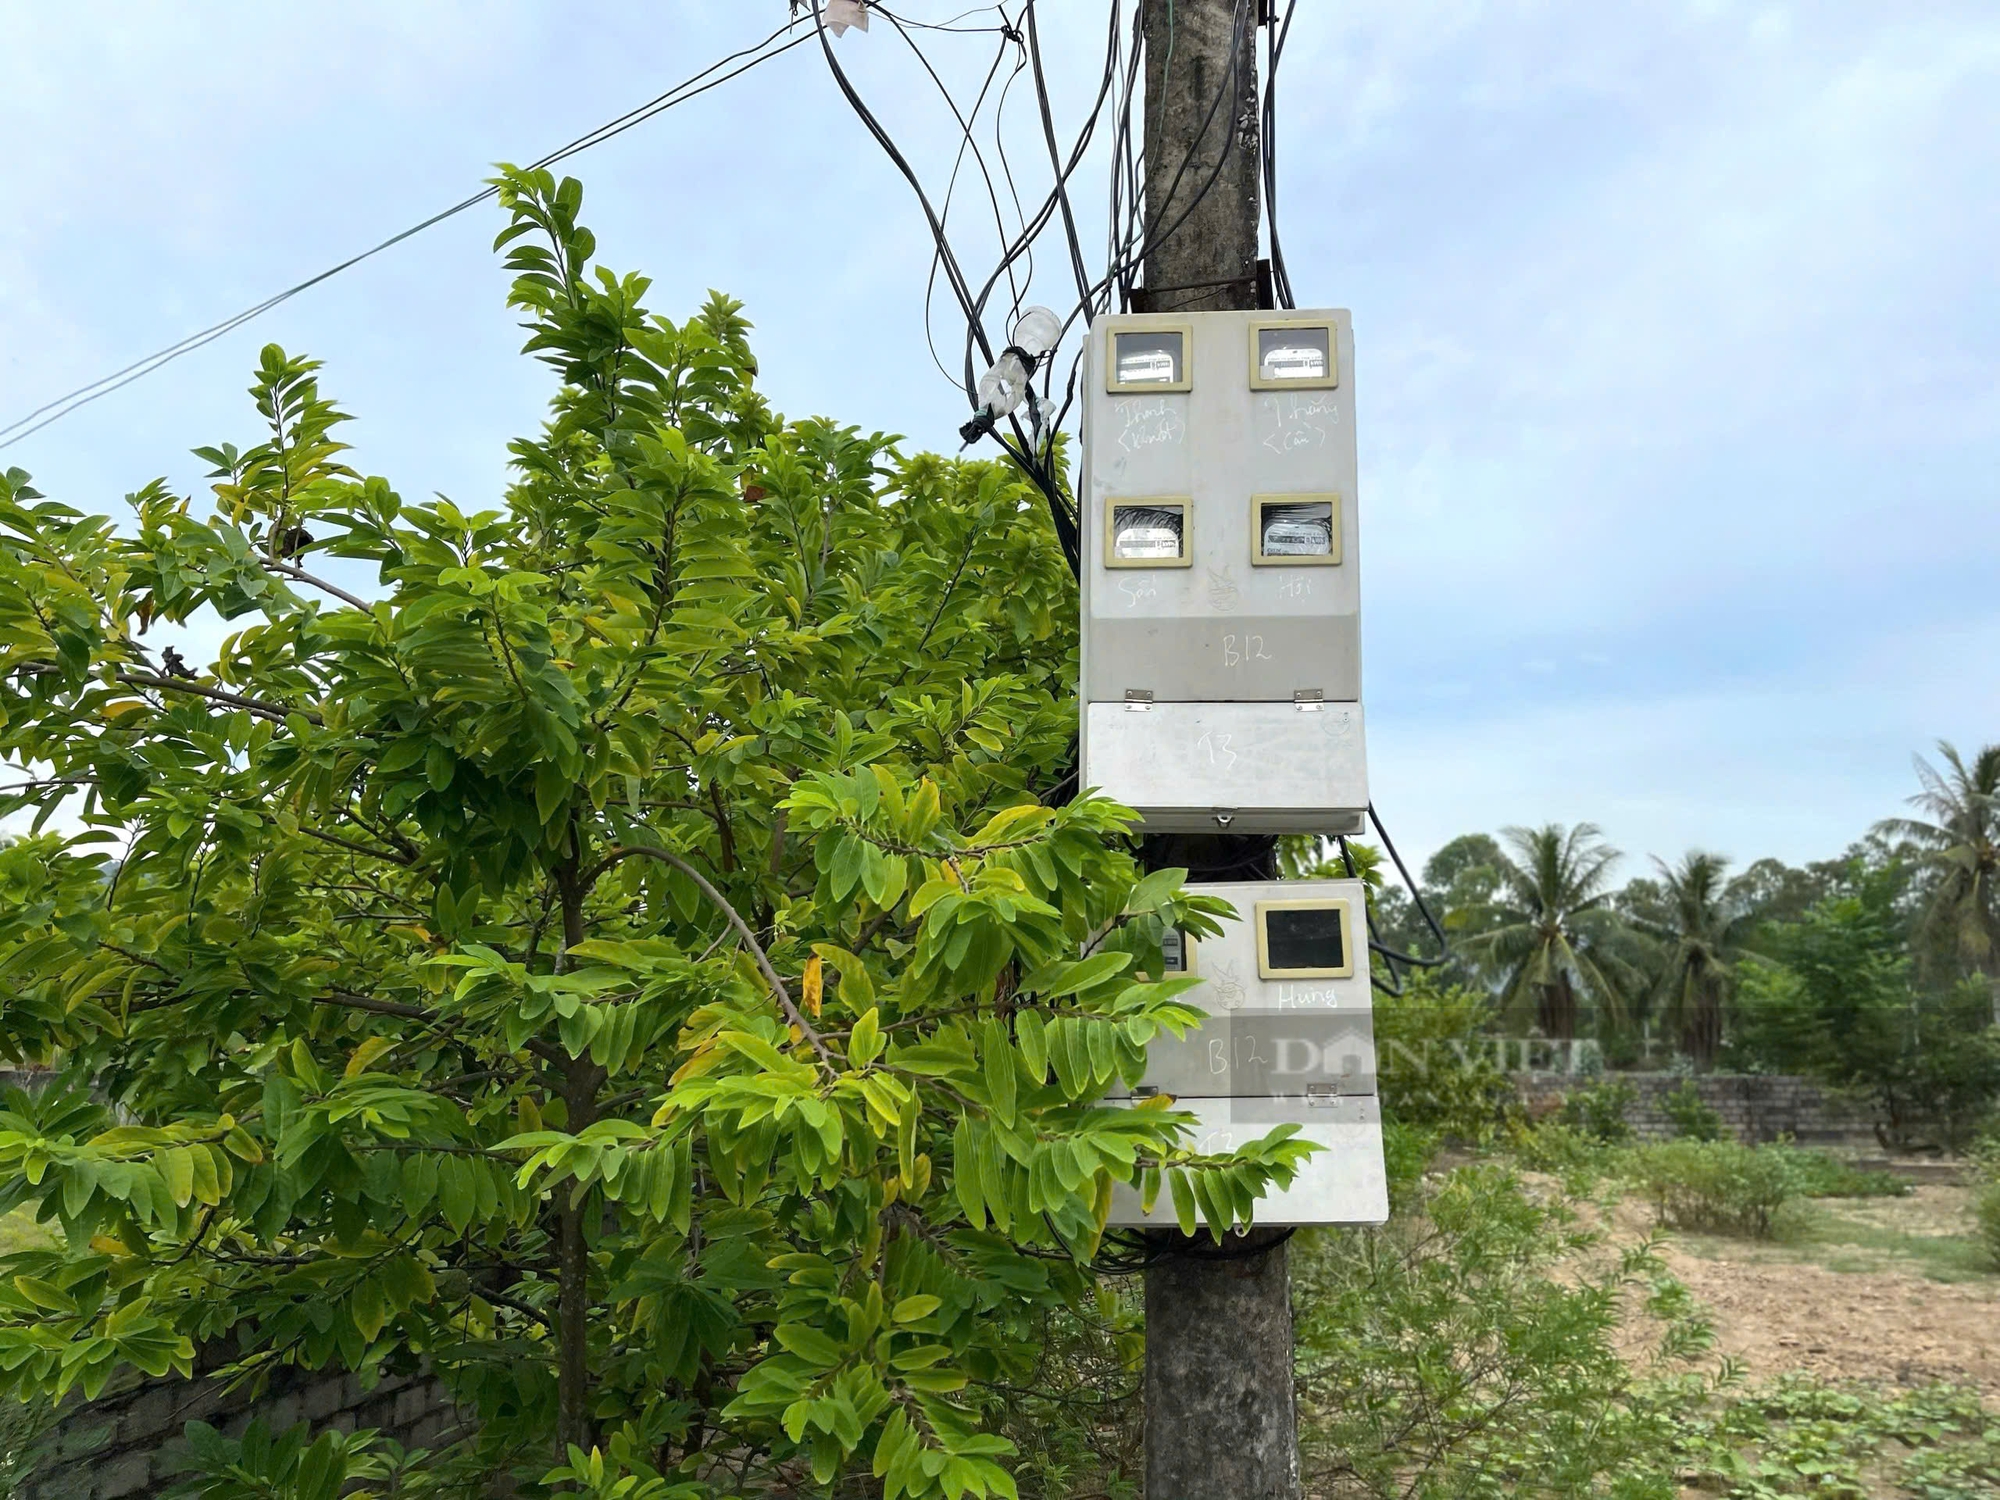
(950, 25)
(951, 186)
(954, 274)
(970, 141)
(1416, 893)
(1020, 450)
(1160, 236)
(1057, 197)
(1281, 277)
(1007, 172)
(1055, 155)
(1393, 984)
(680, 93)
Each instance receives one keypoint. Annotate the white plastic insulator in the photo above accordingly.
(1004, 387)
(1037, 331)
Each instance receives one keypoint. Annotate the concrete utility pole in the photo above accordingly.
(1220, 1417)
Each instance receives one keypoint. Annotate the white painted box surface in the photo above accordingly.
(1240, 767)
(1343, 1183)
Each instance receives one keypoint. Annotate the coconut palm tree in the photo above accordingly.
(1550, 935)
(1959, 836)
(1701, 919)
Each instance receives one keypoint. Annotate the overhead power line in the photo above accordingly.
(712, 76)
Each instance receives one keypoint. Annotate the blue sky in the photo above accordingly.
(1678, 328)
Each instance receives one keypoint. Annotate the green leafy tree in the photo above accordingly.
(1959, 840)
(1550, 934)
(1834, 996)
(1466, 872)
(612, 952)
(1701, 921)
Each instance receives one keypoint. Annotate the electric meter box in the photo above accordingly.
(1285, 989)
(1221, 644)
(1288, 1038)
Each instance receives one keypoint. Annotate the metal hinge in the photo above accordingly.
(1138, 700)
(1320, 1095)
(1309, 700)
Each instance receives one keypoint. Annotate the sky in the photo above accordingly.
(1677, 327)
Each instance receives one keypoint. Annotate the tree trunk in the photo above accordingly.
(1701, 1037)
(1556, 1011)
(1220, 1423)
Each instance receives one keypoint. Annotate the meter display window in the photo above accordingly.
(1295, 530)
(1146, 534)
(1176, 956)
(1293, 356)
(1148, 359)
(1304, 940)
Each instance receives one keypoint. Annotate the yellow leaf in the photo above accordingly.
(815, 983)
(104, 1244)
(365, 1054)
(176, 1167)
(123, 707)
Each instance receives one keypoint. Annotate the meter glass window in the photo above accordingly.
(1295, 356)
(1295, 530)
(1303, 939)
(1173, 951)
(1147, 534)
(1149, 357)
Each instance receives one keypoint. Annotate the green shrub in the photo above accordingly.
(1986, 1208)
(1554, 1147)
(1693, 1117)
(1719, 1186)
(1471, 1348)
(1824, 1175)
(1599, 1111)
(1439, 1073)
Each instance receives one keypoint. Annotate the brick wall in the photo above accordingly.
(118, 1446)
(1757, 1108)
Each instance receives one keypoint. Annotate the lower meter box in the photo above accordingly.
(1298, 767)
(1288, 1038)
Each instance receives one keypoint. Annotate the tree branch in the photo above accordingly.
(792, 1013)
(386, 855)
(300, 575)
(276, 712)
(348, 1000)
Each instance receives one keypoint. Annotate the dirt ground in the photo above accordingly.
(1887, 1291)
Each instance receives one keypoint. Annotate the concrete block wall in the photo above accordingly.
(1756, 1107)
(119, 1447)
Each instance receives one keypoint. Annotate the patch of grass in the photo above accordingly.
(1842, 1242)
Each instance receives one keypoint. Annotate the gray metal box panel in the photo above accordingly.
(1343, 1183)
(1224, 659)
(1246, 767)
(1223, 627)
(1275, 1036)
